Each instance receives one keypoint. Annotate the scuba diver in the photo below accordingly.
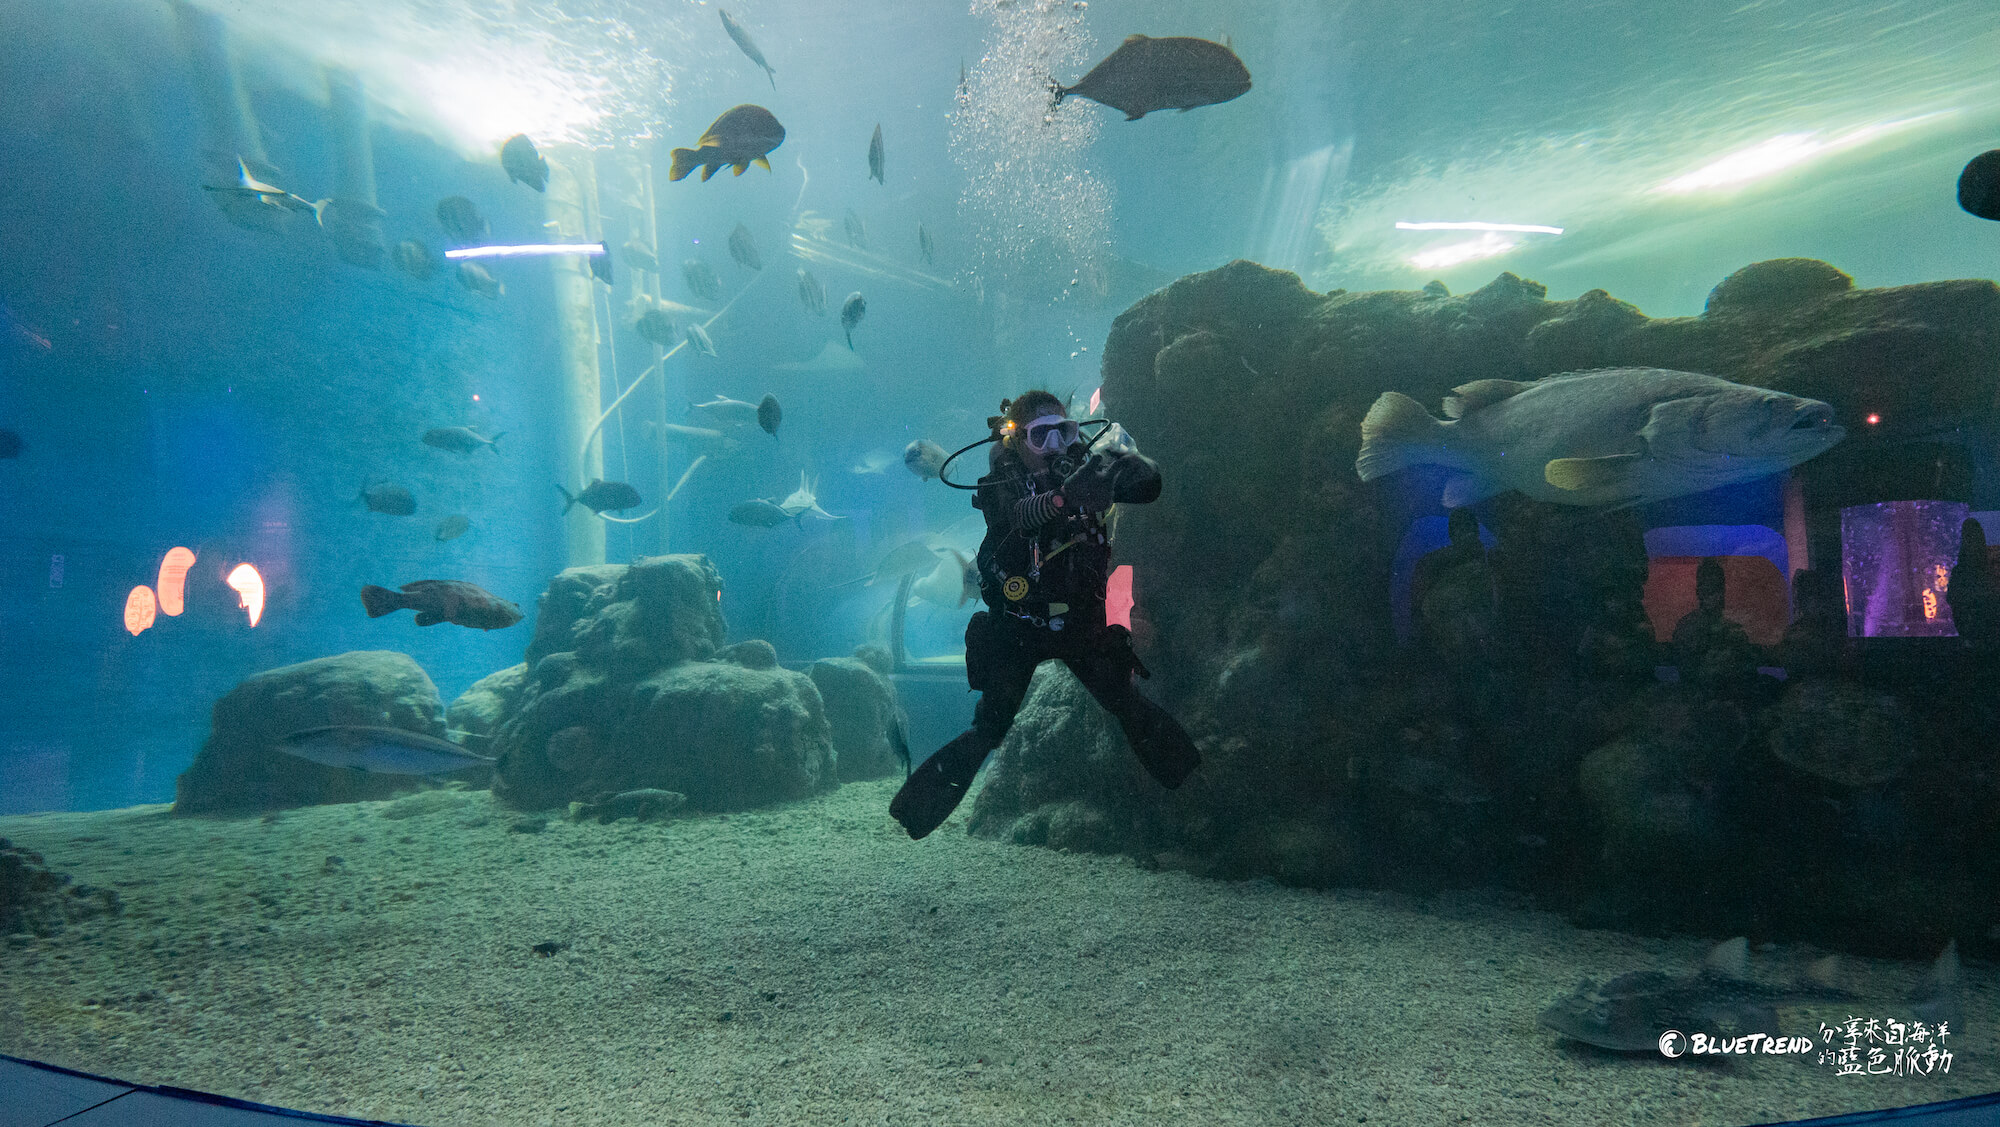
(1043, 567)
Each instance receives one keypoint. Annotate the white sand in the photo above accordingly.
(865, 978)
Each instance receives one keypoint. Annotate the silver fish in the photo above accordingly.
(726, 410)
(699, 340)
(639, 256)
(747, 45)
(1618, 436)
(875, 156)
(414, 258)
(743, 248)
(701, 279)
(851, 312)
(479, 280)
(857, 231)
(758, 513)
(924, 458)
(812, 295)
(924, 246)
(381, 751)
(461, 440)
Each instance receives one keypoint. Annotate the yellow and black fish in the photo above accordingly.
(742, 137)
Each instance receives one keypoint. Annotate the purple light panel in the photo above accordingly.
(1894, 559)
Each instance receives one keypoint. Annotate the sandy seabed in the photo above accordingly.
(811, 965)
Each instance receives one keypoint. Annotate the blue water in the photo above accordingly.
(183, 381)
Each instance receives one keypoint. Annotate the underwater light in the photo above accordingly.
(1873, 418)
(530, 250)
(249, 588)
(139, 608)
(598, 253)
(173, 580)
(1786, 150)
(1485, 246)
(1521, 228)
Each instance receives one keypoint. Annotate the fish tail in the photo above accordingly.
(684, 162)
(378, 601)
(1398, 433)
(850, 340)
(772, 74)
(494, 442)
(1059, 90)
(568, 497)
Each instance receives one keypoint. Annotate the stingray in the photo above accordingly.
(834, 357)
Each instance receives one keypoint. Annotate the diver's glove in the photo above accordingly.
(1089, 489)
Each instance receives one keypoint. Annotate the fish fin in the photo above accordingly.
(568, 497)
(740, 166)
(1135, 116)
(683, 164)
(771, 74)
(762, 163)
(1468, 489)
(494, 442)
(1133, 38)
(1397, 433)
(378, 601)
(1729, 958)
(708, 170)
(1573, 474)
(1480, 393)
(1674, 417)
(429, 618)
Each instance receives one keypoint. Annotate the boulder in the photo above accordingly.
(867, 725)
(627, 687)
(478, 711)
(240, 771)
(1842, 733)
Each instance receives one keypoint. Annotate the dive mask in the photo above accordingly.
(1052, 434)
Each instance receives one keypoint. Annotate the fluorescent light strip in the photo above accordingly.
(528, 250)
(1522, 228)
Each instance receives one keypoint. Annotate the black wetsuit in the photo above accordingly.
(1042, 573)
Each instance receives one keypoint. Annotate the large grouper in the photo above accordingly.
(1613, 436)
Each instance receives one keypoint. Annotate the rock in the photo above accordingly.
(1842, 733)
(863, 717)
(755, 653)
(646, 697)
(876, 658)
(36, 900)
(1776, 285)
(239, 771)
(1065, 776)
(641, 616)
(1584, 336)
(478, 711)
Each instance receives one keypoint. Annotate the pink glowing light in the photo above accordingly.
(172, 583)
(249, 588)
(1118, 597)
(139, 608)
(1096, 399)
